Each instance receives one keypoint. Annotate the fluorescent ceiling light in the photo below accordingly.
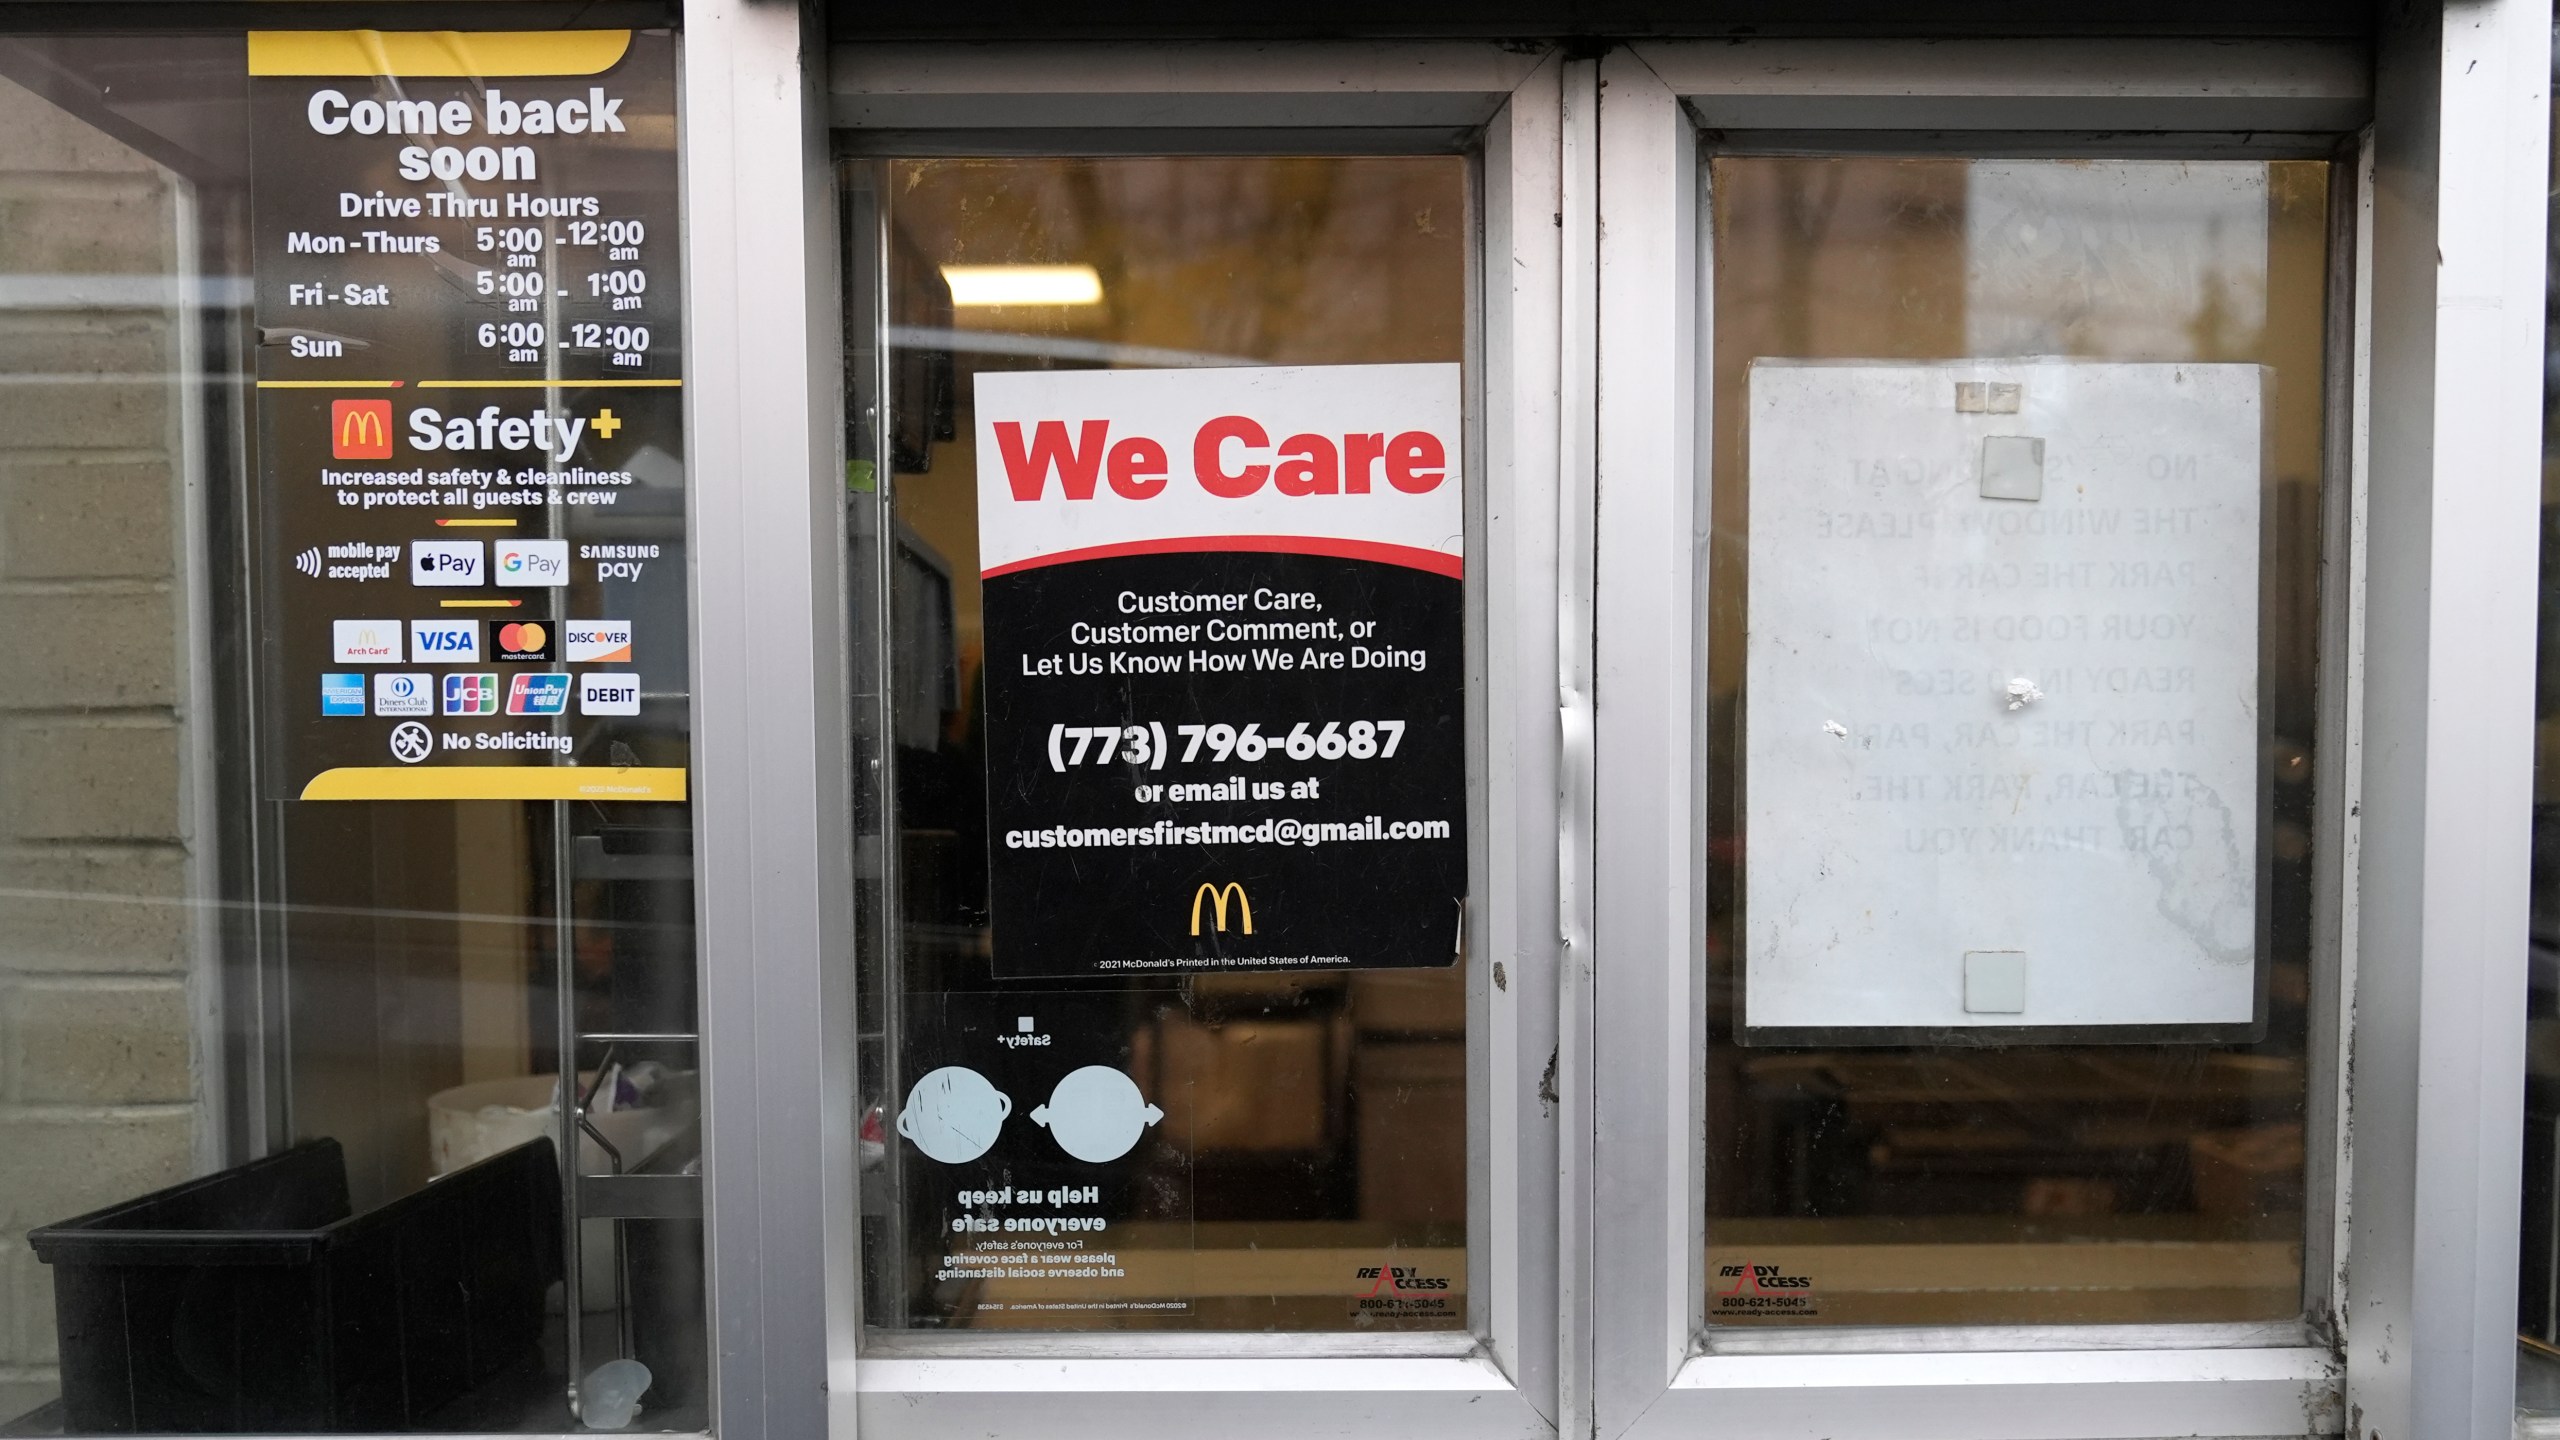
(1023, 284)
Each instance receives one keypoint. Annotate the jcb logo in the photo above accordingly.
(1217, 896)
(360, 429)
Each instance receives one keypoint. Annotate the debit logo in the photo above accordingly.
(446, 562)
(522, 642)
(599, 642)
(471, 693)
(366, 642)
(453, 640)
(538, 695)
(532, 562)
(404, 692)
(609, 694)
(341, 694)
(360, 429)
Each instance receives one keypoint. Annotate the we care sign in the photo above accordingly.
(1224, 657)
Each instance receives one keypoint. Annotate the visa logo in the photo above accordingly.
(444, 640)
(546, 694)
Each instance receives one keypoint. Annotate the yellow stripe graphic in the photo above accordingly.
(497, 782)
(548, 384)
(436, 52)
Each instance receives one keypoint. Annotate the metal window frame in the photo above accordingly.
(1314, 98)
(1660, 103)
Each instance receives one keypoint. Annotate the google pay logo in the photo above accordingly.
(531, 562)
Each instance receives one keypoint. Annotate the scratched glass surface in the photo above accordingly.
(1307, 1169)
(1952, 1178)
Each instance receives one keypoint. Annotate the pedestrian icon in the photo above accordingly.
(411, 742)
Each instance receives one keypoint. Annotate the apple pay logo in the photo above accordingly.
(446, 562)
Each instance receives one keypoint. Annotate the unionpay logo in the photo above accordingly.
(522, 642)
(342, 694)
(599, 642)
(454, 641)
(404, 692)
(538, 695)
(445, 562)
(360, 429)
(609, 693)
(471, 693)
(532, 562)
(366, 642)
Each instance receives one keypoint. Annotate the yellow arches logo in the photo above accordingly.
(1217, 895)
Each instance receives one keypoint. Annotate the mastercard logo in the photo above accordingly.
(522, 641)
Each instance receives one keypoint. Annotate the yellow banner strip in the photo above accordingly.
(549, 384)
(328, 384)
(497, 782)
(436, 52)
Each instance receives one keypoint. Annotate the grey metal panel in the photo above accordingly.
(2461, 130)
(769, 790)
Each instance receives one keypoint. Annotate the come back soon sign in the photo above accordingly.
(1224, 667)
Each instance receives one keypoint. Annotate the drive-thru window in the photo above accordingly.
(749, 720)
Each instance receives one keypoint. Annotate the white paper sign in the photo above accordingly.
(2001, 754)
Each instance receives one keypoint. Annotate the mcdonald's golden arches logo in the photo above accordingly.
(360, 429)
(1217, 896)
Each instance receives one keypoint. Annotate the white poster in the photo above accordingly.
(2001, 710)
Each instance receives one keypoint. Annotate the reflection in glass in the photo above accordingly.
(1974, 1182)
(314, 1009)
(1279, 1152)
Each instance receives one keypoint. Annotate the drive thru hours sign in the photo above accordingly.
(1224, 630)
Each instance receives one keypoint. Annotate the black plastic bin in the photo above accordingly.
(252, 1301)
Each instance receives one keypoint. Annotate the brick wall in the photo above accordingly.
(99, 1092)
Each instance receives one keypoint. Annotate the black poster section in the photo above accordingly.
(470, 420)
(1237, 787)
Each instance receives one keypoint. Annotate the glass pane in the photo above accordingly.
(1301, 1164)
(2016, 495)
(2538, 1287)
(233, 1009)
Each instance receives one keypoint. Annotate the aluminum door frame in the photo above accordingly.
(1498, 1378)
(1650, 1372)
